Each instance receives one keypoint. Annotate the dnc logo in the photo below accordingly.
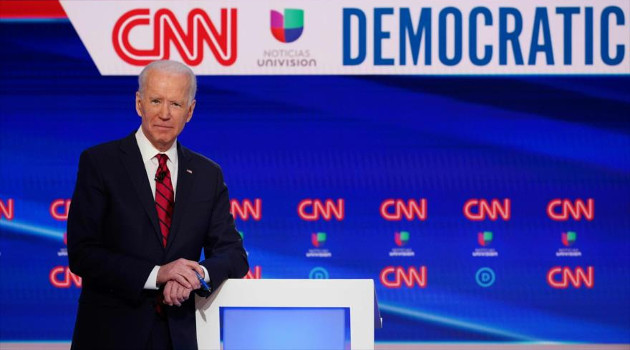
(287, 28)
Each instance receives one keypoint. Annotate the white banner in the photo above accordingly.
(432, 37)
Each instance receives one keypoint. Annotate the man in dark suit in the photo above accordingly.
(143, 209)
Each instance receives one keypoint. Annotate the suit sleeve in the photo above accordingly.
(223, 246)
(100, 267)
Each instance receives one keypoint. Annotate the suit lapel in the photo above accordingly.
(132, 159)
(185, 178)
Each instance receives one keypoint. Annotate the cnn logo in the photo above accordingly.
(245, 209)
(256, 274)
(562, 277)
(563, 209)
(166, 30)
(62, 277)
(397, 209)
(7, 209)
(481, 209)
(397, 276)
(315, 209)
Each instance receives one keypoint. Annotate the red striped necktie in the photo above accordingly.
(164, 196)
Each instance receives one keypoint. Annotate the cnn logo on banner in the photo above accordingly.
(166, 30)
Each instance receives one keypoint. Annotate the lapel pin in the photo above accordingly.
(189, 171)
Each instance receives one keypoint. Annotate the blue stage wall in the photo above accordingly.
(363, 140)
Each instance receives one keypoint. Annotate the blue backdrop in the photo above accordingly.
(363, 139)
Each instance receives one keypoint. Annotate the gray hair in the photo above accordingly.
(170, 67)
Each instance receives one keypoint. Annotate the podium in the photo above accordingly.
(288, 314)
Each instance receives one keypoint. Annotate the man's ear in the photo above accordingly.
(138, 105)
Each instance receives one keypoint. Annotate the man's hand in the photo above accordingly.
(175, 293)
(182, 272)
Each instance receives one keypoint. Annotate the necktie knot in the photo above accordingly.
(162, 158)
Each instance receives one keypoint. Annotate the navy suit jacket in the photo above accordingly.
(114, 241)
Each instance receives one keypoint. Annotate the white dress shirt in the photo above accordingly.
(149, 158)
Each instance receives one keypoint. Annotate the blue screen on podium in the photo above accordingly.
(290, 328)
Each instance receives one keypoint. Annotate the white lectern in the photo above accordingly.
(329, 313)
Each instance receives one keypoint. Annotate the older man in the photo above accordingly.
(143, 209)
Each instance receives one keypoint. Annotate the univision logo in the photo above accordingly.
(484, 238)
(568, 238)
(401, 238)
(318, 239)
(287, 28)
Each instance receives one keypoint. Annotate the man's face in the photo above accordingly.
(164, 107)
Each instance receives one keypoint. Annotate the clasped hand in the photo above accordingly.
(179, 280)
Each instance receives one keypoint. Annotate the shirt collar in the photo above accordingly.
(148, 151)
